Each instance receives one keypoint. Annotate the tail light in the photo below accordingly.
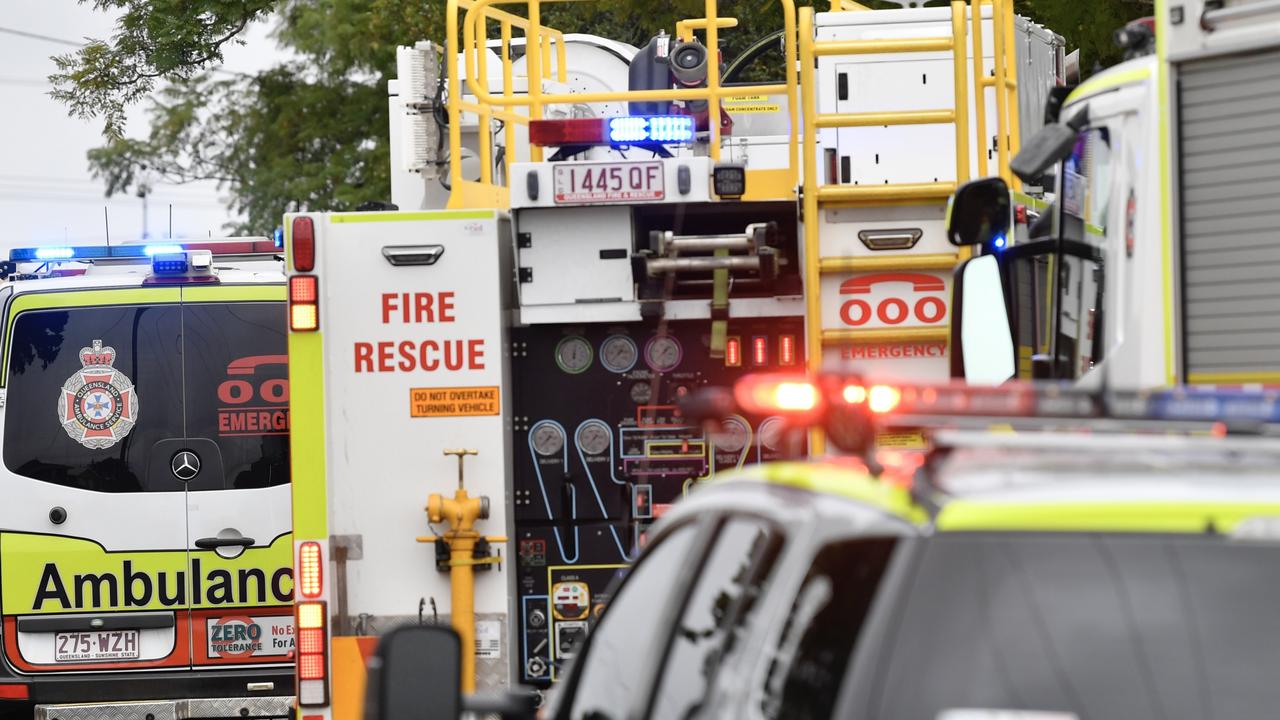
(304, 303)
(303, 244)
(760, 350)
(313, 653)
(787, 350)
(733, 352)
(310, 570)
(879, 398)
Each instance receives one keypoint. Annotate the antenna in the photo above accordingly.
(106, 225)
(170, 220)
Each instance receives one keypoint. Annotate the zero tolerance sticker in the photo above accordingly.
(98, 405)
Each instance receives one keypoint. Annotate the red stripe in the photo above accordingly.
(14, 692)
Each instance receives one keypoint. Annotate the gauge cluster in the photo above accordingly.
(600, 452)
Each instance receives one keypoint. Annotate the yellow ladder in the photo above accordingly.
(817, 196)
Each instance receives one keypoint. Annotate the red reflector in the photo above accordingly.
(303, 244)
(760, 350)
(15, 692)
(310, 569)
(311, 667)
(302, 289)
(574, 131)
(787, 350)
(733, 352)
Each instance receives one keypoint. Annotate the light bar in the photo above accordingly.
(621, 130)
(312, 625)
(234, 246)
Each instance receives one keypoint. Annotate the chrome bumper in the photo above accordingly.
(238, 708)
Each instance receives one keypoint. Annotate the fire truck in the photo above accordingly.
(1158, 262)
(486, 379)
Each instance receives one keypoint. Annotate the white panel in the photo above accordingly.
(382, 462)
(564, 256)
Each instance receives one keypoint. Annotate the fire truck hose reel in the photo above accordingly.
(665, 266)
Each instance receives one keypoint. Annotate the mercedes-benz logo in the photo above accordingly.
(185, 465)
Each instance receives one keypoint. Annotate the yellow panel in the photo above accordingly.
(306, 436)
(348, 679)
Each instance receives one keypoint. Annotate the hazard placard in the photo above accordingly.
(900, 441)
(453, 402)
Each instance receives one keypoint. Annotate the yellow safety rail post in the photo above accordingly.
(507, 105)
(817, 195)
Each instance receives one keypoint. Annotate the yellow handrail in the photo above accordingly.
(518, 109)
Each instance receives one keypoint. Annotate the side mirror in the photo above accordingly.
(982, 340)
(1052, 144)
(980, 212)
(416, 675)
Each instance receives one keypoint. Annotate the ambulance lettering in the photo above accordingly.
(129, 588)
(927, 309)
(248, 408)
(427, 354)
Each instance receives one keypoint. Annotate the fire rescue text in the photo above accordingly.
(428, 354)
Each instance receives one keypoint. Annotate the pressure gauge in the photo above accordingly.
(548, 439)
(573, 355)
(663, 353)
(731, 437)
(618, 353)
(594, 438)
(641, 393)
(771, 432)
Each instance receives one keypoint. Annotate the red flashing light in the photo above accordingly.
(778, 394)
(883, 398)
(787, 350)
(733, 352)
(760, 350)
(310, 569)
(573, 131)
(303, 244)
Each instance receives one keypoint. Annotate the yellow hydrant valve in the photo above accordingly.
(465, 549)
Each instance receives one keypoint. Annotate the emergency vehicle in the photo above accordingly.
(145, 539)
(1113, 558)
(1159, 261)
(623, 227)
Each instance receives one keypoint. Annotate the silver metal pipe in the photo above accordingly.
(1211, 18)
(666, 266)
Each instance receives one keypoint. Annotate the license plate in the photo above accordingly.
(608, 182)
(96, 645)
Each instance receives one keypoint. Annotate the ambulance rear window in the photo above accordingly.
(238, 388)
(97, 396)
(90, 391)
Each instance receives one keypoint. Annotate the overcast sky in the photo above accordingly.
(47, 195)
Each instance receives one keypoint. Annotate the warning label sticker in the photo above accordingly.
(453, 402)
(751, 104)
(900, 441)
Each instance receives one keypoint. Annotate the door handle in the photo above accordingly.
(211, 543)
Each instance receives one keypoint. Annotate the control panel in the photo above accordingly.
(601, 451)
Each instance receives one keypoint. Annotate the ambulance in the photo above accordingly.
(145, 535)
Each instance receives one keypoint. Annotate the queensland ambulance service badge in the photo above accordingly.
(99, 404)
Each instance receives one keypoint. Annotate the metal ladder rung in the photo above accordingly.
(989, 81)
(872, 119)
(885, 335)
(870, 47)
(939, 191)
(932, 261)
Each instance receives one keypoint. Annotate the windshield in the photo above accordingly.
(1095, 627)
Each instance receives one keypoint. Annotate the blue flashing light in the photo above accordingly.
(55, 253)
(162, 249)
(655, 129)
(1222, 405)
(999, 242)
(278, 236)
